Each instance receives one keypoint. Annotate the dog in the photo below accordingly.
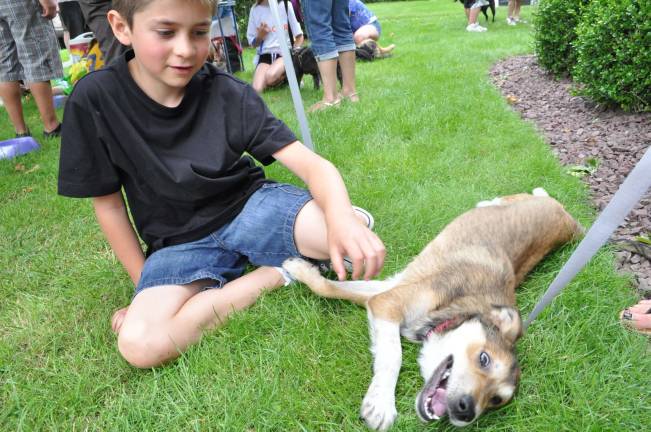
(457, 298)
(484, 9)
(305, 64)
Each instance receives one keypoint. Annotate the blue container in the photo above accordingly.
(17, 146)
(59, 101)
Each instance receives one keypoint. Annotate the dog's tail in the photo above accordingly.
(358, 292)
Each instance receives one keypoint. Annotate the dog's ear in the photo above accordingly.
(508, 321)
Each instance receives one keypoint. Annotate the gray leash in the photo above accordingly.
(291, 78)
(628, 194)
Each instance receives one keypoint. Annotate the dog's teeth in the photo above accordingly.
(435, 417)
(446, 374)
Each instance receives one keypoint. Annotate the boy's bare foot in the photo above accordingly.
(638, 317)
(118, 319)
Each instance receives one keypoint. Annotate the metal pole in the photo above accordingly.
(291, 77)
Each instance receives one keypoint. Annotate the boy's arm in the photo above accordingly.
(347, 235)
(113, 219)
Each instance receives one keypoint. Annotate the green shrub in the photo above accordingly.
(613, 49)
(555, 22)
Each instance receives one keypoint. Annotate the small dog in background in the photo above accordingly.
(305, 64)
(456, 298)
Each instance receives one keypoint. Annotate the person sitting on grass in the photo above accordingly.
(263, 34)
(472, 9)
(171, 132)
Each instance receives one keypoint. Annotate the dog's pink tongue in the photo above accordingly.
(437, 405)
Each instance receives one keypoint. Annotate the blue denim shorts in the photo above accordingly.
(328, 25)
(261, 234)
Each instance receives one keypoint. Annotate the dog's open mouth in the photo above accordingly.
(432, 402)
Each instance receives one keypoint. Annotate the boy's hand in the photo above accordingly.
(348, 236)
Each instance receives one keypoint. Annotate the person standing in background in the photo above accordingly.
(328, 26)
(29, 52)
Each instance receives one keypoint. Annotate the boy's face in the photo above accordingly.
(171, 39)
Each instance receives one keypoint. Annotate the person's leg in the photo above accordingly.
(343, 38)
(259, 81)
(42, 92)
(94, 12)
(318, 20)
(10, 94)
(328, 72)
(72, 18)
(516, 10)
(276, 72)
(511, 12)
(37, 55)
(367, 31)
(472, 15)
(162, 322)
(347, 63)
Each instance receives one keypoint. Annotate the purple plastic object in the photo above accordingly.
(17, 146)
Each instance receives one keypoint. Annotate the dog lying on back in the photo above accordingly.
(457, 298)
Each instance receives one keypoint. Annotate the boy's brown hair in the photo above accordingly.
(128, 8)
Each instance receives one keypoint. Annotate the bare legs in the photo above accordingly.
(328, 71)
(513, 11)
(10, 93)
(164, 321)
(472, 15)
(42, 92)
(268, 75)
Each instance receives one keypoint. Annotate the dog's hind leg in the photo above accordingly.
(379, 405)
(355, 291)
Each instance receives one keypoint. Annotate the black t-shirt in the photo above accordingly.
(183, 169)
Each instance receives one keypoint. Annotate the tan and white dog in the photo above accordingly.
(457, 298)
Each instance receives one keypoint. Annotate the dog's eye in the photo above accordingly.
(484, 359)
(496, 400)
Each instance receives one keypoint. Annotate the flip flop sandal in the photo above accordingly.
(321, 106)
(627, 318)
(353, 97)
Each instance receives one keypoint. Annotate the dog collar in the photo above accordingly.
(440, 328)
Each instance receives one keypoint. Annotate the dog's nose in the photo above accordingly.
(464, 409)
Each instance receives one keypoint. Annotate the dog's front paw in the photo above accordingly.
(301, 270)
(379, 408)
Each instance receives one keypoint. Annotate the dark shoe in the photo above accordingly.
(23, 134)
(53, 133)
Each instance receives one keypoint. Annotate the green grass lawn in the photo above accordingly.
(431, 137)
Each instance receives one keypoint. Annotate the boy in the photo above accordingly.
(171, 131)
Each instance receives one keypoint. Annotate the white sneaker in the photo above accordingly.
(476, 28)
(510, 21)
(481, 28)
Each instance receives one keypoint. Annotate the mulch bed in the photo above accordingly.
(581, 132)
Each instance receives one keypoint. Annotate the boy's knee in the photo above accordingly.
(144, 347)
